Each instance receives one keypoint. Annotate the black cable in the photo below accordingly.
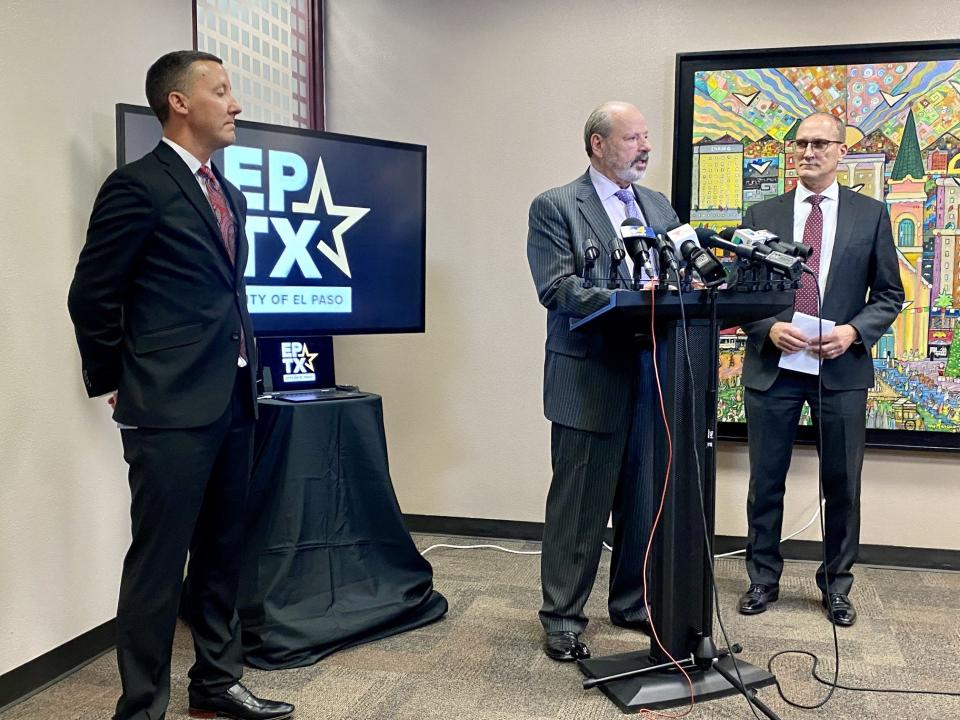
(823, 535)
(834, 685)
(853, 688)
(708, 542)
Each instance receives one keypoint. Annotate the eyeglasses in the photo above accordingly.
(818, 145)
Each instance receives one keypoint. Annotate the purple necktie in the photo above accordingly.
(228, 229)
(630, 206)
(806, 299)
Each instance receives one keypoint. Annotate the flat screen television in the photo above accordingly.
(336, 225)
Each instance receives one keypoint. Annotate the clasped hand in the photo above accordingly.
(787, 338)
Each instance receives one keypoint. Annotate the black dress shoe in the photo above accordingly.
(642, 624)
(839, 609)
(239, 703)
(755, 600)
(565, 646)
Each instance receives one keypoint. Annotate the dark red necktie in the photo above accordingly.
(806, 300)
(228, 229)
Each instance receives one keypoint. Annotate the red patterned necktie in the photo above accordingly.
(221, 210)
(228, 229)
(806, 299)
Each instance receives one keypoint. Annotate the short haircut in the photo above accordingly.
(171, 73)
(599, 123)
(839, 124)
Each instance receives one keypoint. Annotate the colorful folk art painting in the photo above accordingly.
(903, 139)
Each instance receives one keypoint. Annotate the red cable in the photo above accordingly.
(656, 521)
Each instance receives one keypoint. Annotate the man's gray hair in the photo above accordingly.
(599, 123)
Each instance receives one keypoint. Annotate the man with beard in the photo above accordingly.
(597, 388)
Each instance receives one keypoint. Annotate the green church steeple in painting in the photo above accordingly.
(908, 162)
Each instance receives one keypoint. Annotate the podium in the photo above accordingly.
(680, 593)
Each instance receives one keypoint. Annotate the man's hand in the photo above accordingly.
(834, 343)
(112, 400)
(787, 338)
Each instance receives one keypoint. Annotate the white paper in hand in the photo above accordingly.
(806, 361)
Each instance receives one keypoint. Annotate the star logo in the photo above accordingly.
(321, 188)
(308, 357)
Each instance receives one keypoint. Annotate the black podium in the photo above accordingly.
(680, 596)
(329, 563)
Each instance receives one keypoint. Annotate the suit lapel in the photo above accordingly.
(190, 187)
(785, 212)
(592, 210)
(846, 213)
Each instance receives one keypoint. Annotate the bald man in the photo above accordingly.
(597, 387)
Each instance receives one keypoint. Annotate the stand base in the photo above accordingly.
(664, 689)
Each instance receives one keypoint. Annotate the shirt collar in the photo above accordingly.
(831, 193)
(187, 156)
(604, 186)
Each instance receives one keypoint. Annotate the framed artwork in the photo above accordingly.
(736, 116)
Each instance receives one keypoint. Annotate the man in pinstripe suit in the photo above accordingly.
(597, 387)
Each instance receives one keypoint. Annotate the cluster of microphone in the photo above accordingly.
(690, 248)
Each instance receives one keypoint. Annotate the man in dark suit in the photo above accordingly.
(859, 278)
(596, 386)
(159, 308)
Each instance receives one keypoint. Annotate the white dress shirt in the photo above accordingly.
(801, 211)
(616, 208)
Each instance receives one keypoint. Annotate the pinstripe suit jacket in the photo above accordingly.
(586, 375)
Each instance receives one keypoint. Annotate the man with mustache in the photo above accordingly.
(859, 278)
(597, 388)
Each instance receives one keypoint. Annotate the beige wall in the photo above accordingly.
(63, 496)
(499, 91)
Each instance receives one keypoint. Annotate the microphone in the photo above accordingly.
(777, 261)
(616, 257)
(637, 238)
(787, 247)
(710, 270)
(590, 254)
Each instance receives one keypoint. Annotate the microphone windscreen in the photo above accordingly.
(704, 234)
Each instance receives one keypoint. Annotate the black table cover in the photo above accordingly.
(329, 563)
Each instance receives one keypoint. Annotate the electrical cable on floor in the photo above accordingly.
(703, 516)
(853, 688)
(477, 547)
(833, 685)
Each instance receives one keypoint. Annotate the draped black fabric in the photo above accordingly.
(329, 563)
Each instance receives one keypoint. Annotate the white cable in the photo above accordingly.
(606, 547)
(476, 547)
(791, 536)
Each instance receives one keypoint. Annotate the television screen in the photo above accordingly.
(336, 225)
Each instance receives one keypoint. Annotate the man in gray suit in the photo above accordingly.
(596, 386)
(859, 278)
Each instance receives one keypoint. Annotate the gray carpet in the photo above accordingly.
(483, 661)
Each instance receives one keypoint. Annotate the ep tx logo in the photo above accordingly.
(266, 186)
(297, 362)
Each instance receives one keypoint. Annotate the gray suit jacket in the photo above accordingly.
(863, 289)
(586, 376)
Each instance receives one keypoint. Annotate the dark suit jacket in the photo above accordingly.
(586, 376)
(863, 289)
(156, 305)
